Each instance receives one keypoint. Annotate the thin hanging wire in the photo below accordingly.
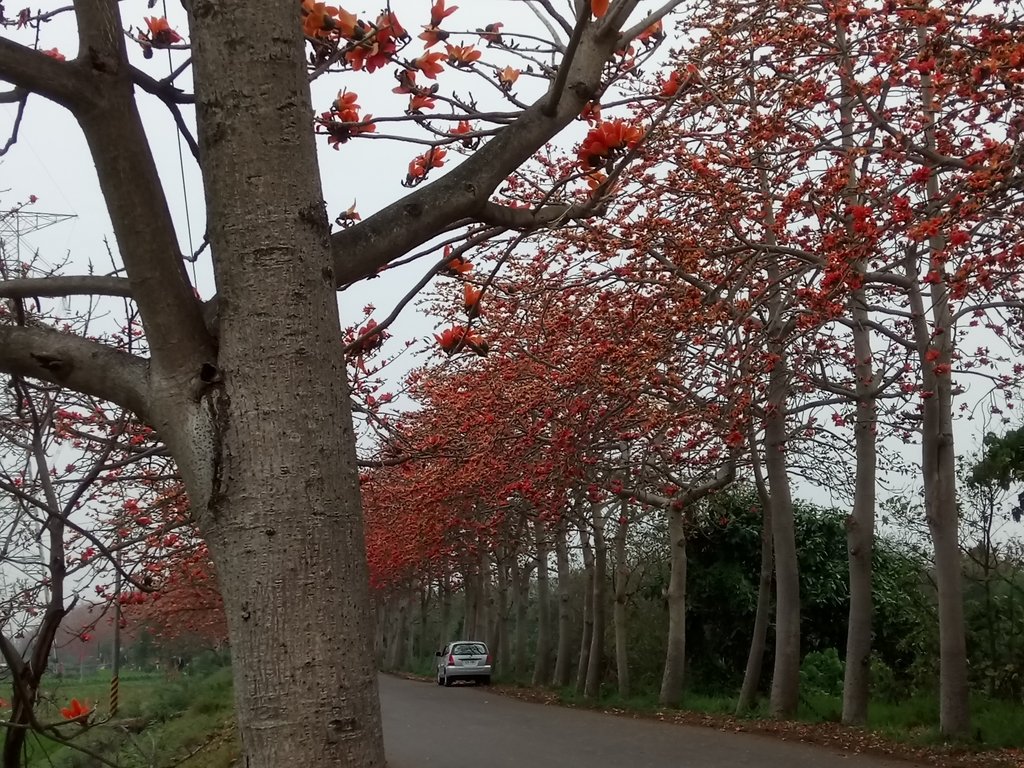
(181, 170)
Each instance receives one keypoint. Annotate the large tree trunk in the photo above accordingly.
(563, 658)
(619, 620)
(595, 665)
(759, 637)
(282, 510)
(542, 656)
(675, 652)
(588, 609)
(418, 637)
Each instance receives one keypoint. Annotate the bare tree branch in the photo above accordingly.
(554, 95)
(533, 218)
(65, 82)
(17, 121)
(171, 313)
(71, 285)
(77, 363)
(163, 89)
(651, 18)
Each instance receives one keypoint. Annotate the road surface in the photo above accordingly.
(426, 726)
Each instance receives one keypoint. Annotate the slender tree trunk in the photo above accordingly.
(445, 588)
(472, 604)
(418, 635)
(619, 618)
(785, 694)
(542, 657)
(671, 694)
(381, 621)
(398, 644)
(588, 610)
(483, 629)
(502, 650)
(595, 665)
(279, 500)
(938, 456)
(762, 616)
(860, 524)
(563, 660)
(521, 595)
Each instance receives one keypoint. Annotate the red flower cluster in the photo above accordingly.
(421, 165)
(343, 121)
(605, 140)
(457, 338)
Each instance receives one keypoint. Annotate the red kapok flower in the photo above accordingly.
(160, 33)
(76, 711)
(462, 55)
(471, 300)
(439, 13)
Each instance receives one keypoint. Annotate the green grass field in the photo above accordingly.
(161, 722)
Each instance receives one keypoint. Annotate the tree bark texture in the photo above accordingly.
(283, 519)
(542, 654)
(563, 657)
(671, 693)
(860, 524)
(619, 617)
(588, 609)
(938, 457)
(595, 664)
(762, 614)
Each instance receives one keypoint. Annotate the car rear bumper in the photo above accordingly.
(453, 673)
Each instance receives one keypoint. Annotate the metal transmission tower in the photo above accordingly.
(17, 224)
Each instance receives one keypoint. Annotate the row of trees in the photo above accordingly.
(814, 257)
(723, 575)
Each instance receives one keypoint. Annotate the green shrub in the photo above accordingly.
(822, 672)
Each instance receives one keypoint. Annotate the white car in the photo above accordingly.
(464, 660)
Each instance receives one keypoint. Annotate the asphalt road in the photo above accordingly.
(426, 726)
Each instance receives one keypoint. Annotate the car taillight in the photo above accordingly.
(451, 660)
(488, 659)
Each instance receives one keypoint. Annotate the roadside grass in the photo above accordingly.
(160, 722)
(912, 722)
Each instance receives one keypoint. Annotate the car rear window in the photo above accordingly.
(470, 649)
